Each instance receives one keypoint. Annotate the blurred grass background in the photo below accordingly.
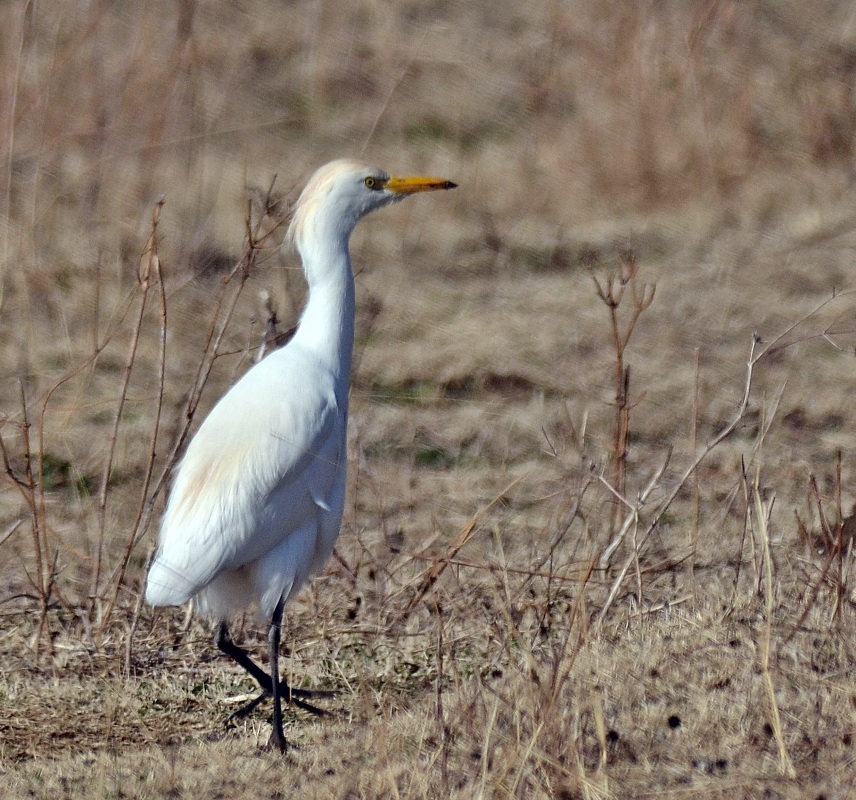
(713, 139)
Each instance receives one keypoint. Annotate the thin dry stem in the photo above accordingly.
(762, 519)
(143, 286)
(150, 273)
(438, 567)
(611, 291)
(664, 505)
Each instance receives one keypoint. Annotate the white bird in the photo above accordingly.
(257, 501)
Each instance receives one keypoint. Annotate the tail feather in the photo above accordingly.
(166, 587)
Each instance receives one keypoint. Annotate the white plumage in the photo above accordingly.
(257, 501)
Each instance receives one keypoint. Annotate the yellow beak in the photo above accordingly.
(418, 183)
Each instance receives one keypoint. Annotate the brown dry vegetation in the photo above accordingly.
(489, 632)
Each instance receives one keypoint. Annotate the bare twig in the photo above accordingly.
(438, 567)
(632, 517)
(611, 290)
(762, 519)
(143, 286)
(150, 273)
(669, 499)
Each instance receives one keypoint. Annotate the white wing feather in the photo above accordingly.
(245, 490)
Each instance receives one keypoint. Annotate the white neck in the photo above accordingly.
(327, 325)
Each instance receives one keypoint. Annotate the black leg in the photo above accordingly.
(277, 737)
(227, 646)
(242, 657)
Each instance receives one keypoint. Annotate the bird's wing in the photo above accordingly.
(270, 453)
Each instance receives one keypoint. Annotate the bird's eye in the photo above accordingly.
(373, 183)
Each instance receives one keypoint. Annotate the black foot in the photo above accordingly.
(271, 686)
(293, 696)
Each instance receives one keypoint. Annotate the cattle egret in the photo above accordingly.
(257, 501)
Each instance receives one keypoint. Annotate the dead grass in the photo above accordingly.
(488, 631)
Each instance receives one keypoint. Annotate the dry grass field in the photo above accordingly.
(579, 559)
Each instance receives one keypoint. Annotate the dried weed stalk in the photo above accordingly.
(634, 516)
(149, 274)
(762, 520)
(27, 484)
(611, 288)
(834, 539)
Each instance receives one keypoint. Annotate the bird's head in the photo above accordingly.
(340, 193)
